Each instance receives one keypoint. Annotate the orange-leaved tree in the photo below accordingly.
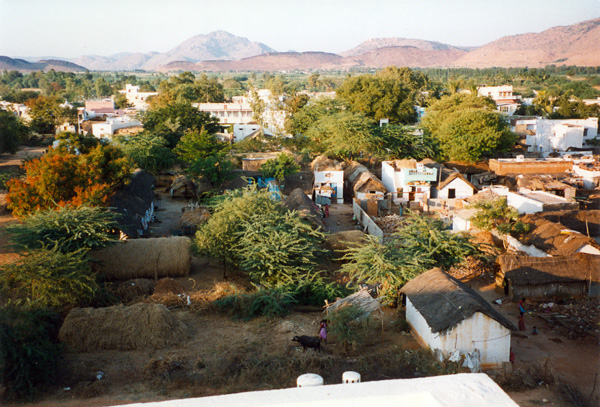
(60, 179)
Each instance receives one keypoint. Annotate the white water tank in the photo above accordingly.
(350, 377)
(309, 380)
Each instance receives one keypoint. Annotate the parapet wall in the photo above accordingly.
(530, 167)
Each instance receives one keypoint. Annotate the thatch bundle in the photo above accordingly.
(361, 179)
(130, 290)
(553, 238)
(360, 299)
(195, 217)
(169, 286)
(140, 326)
(340, 241)
(324, 163)
(306, 208)
(183, 187)
(145, 258)
(163, 180)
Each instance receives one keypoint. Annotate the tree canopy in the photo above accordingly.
(12, 132)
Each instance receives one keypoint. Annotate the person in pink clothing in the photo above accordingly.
(323, 331)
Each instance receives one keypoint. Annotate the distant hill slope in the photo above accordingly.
(21, 65)
(577, 44)
(377, 43)
(406, 56)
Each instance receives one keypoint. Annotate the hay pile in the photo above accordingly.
(128, 291)
(140, 326)
(145, 258)
(344, 240)
(195, 217)
(169, 286)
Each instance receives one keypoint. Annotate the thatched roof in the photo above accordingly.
(307, 209)
(445, 301)
(553, 238)
(361, 299)
(400, 164)
(324, 163)
(361, 179)
(541, 182)
(240, 179)
(581, 221)
(527, 270)
(132, 201)
(304, 180)
(183, 186)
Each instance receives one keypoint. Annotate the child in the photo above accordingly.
(323, 331)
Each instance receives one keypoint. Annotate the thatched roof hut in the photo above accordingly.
(445, 301)
(555, 239)
(134, 203)
(140, 326)
(324, 163)
(307, 209)
(362, 182)
(183, 187)
(539, 277)
(240, 179)
(144, 258)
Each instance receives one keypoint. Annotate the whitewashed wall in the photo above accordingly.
(387, 177)
(476, 332)
(462, 189)
(337, 178)
(524, 204)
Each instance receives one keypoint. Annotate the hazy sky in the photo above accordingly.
(70, 28)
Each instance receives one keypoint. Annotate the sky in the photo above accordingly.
(71, 28)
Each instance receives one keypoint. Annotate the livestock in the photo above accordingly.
(308, 342)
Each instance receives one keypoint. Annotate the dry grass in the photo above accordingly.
(132, 290)
(168, 286)
(140, 326)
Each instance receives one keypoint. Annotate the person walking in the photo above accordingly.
(323, 331)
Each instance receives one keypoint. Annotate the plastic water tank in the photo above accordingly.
(309, 380)
(350, 377)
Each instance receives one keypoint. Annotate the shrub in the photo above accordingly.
(49, 278)
(348, 326)
(68, 228)
(29, 353)
(264, 302)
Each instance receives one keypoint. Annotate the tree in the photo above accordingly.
(215, 169)
(198, 144)
(46, 113)
(148, 151)
(400, 142)
(49, 278)
(68, 229)
(496, 214)
(62, 179)
(280, 167)
(121, 101)
(468, 128)
(172, 121)
(12, 132)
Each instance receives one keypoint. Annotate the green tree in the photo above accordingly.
(279, 167)
(12, 132)
(50, 278)
(466, 131)
(46, 113)
(215, 169)
(496, 214)
(198, 144)
(148, 151)
(69, 229)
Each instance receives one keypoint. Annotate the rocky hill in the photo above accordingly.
(378, 43)
(577, 44)
(406, 56)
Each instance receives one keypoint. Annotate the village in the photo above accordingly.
(398, 234)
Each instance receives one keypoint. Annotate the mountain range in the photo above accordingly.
(577, 44)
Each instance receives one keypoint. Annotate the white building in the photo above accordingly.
(107, 129)
(448, 315)
(138, 99)
(589, 173)
(528, 202)
(329, 185)
(408, 180)
(506, 102)
(239, 112)
(452, 185)
(546, 136)
(18, 109)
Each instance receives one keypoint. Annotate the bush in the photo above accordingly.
(68, 228)
(49, 278)
(264, 302)
(317, 291)
(29, 353)
(348, 326)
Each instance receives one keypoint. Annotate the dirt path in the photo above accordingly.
(340, 218)
(168, 213)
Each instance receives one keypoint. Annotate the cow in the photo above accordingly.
(308, 342)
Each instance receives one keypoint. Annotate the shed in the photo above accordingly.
(577, 275)
(134, 204)
(448, 315)
(363, 183)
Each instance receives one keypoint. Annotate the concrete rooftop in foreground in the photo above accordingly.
(467, 389)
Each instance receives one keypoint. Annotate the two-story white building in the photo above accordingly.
(546, 136)
(408, 180)
(138, 99)
(107, 128)
(506, 102)
(238, 112)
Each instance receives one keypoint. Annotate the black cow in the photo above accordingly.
(308, 342)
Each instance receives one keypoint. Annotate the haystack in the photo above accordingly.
(195, 218)
(183, 187)
(306, 208)
(324, 163)
(169, 286)
(131, 290)
(360, 299)
(140, 326)
(145, 258)
(340, 241)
